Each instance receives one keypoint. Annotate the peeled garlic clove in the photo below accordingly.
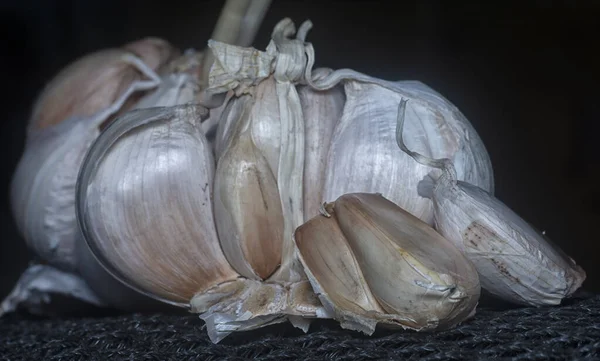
(145, 204)
(322, 111)
(514, 261)
(247, 206)
(372, 262)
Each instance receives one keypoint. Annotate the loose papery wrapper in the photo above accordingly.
(514, 261)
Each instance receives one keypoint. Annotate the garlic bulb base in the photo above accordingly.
(244, 304)
(38, 285)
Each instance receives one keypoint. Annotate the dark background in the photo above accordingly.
(525, 74)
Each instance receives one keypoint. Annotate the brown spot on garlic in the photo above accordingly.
(145, 209)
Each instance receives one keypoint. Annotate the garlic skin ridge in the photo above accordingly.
(514, 261)
(244, 71)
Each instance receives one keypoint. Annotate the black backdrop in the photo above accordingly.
(525, 75)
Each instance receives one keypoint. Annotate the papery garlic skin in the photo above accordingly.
(43, 186)
(371, 262)
(514, 261)
(364, 156)
(247, 205)
(145, 203)
(322, 112)
(94, 82)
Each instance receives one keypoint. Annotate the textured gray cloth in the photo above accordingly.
(568, 332)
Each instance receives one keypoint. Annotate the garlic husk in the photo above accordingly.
(40, 285)
(145, 209)
(244, 305)
(364, 156)
(322, 112)
(43, 186)
(145, 203)
(157, 53)
(371, 262)
(514, 261)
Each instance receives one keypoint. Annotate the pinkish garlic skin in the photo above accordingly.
(514, 261)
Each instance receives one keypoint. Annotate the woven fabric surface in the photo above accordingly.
(567, 332)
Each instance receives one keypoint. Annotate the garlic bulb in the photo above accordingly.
(372, 262)
(145, 207)
(43, 186)
(514, 261)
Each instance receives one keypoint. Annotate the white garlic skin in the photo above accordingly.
(43, 189)
(322, 111)
(514, 261)
(66, 119)
(364, 156)
(146, 204)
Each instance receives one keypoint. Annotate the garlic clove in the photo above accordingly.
(244, 305)
(95, 81)
(372, 262)
(513, 260)
(247, 206)
(145, 204)
(390, 241)
(335, 274)
(364, 156)
(322, 111)
(43, 185)
(157, 53)
(245, 72)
